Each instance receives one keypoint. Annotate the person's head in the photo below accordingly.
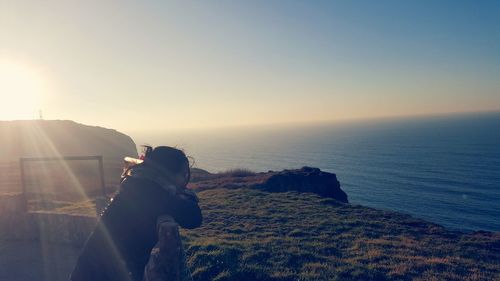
(170, 160)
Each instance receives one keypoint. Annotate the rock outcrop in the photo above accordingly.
(306, 179)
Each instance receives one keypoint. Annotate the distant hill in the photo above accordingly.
(56, 138)
(37, 138)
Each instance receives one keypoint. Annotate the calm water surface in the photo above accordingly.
(443, 169)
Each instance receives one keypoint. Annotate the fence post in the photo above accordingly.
(101, 170)
(23, 184)
(167, 261)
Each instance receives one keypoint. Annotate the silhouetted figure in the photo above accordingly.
(119, 247)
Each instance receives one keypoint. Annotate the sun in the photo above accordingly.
(21, 89)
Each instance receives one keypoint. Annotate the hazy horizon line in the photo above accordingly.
(329, 121)
(283, 124)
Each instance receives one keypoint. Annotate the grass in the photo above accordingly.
(83, 207)
(249, 234)
(54, 177)
(252, 235)
(200, 175)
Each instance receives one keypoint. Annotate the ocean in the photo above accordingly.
(443, 169)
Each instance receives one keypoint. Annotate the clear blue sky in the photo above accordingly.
(170, 64)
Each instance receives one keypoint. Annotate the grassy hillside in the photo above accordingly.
(57, 138)
(253, 235)
(36, 138)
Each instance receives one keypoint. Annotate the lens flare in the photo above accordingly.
(21, 88)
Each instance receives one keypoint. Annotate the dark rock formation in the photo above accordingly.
(306, 179)
(198, 174)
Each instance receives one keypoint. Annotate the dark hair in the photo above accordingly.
(171, 159)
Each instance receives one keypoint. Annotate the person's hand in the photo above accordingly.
(188, 194)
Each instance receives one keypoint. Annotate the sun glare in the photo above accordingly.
(21, 88)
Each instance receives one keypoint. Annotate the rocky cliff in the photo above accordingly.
(303, 180)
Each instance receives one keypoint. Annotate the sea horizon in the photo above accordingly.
(443, 169)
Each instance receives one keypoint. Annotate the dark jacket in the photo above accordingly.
(119, 247)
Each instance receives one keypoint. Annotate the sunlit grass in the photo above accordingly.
(253, 235)
(84, 207)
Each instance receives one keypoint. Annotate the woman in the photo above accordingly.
(119, 247)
